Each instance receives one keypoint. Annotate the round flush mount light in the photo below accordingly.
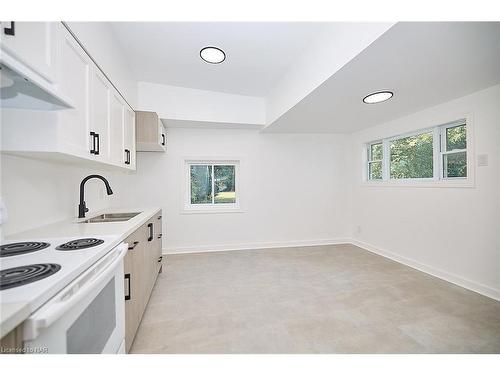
(212, 55)
(378, 97)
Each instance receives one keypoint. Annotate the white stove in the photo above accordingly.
(71, 263)
(63, 280)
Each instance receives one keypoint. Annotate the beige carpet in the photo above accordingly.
(322, 299)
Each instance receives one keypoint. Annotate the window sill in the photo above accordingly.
(196, 211)
(420, 184)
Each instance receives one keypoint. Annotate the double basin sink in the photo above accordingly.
(109, 218)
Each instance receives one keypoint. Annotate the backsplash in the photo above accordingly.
(38, 192)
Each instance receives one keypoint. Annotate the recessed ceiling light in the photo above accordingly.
(378, 97)
(212, 55)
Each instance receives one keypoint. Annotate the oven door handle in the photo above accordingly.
(73, 293)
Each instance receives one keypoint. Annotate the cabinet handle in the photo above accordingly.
(163, 139)
(10, 30)
(160, 235)
(160, 259)
(151, 234)
(132, 247)
(127, 156)
(96, 152)
(128, 295)
(92, 135)
(159, 217)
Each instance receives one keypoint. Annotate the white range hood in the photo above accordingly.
(19, 91)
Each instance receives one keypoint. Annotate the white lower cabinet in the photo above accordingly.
(99, 128)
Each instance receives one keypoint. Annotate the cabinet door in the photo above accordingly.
(133, 287)
(116, 130)
(33, 44)
(129, 135)
(74, 74)
(99, 125)
(150, 256)
(158, 246)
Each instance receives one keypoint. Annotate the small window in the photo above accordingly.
(375, 156)
(212, 184)
(454, 151)
(412, 157)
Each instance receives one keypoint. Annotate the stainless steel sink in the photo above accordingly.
(107, 218)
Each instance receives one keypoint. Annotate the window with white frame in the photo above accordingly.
(212, 184)
(453, 157)
(375, 161)
(438, 153)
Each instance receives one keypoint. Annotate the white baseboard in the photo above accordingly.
(254, 245)
(444, 275)
(447, 276)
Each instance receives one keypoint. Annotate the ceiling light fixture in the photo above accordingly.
(378, 97)
(212, 55)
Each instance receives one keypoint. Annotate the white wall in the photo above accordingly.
(451, 232)
(293, 191)
(99, 40)
(181, 103)
(40, 192)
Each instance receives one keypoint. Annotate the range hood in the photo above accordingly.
(17, 91)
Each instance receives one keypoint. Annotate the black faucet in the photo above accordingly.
(82, 208)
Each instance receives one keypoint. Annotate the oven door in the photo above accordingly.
(88, 316)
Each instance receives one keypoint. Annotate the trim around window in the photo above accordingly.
(188, 207)
(439, 153)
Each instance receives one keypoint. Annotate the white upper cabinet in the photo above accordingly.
(33, 44)
(116, 129)
(74, 77)
(100, 128)
(99, 116)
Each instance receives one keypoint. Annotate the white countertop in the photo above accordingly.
(12, 314)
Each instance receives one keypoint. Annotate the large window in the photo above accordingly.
(212, 185)
(439, 153)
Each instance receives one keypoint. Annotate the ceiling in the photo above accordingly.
(257, 54)
(425, 64)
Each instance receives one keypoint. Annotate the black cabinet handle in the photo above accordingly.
(160, 235)
(151, 234)
(95, 143)
(160, 259)
(163, 139)
(10, 30)
(96, 152)
(127, 156)
(92, 135)
(159, 217)
(128, 295)
(132, 247)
